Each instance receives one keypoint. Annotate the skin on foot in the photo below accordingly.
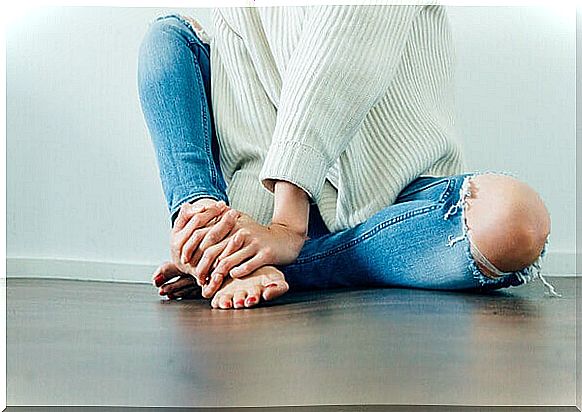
(265, 283)
(184, 287)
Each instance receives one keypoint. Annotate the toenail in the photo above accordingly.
(271, 285)
(158, 278)
(162, 292)
(251, 300)
(240, 302)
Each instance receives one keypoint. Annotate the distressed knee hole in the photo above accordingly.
(505, 223)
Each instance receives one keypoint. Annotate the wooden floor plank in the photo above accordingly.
(96, 343)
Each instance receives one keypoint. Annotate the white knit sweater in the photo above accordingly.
(350, 103)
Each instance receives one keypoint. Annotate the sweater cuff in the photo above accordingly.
(296, 163)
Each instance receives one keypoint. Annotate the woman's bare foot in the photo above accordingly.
(266, 282)
(184, 287)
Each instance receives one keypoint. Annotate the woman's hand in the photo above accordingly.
(197, 227)
(251, 247)
(239, 245)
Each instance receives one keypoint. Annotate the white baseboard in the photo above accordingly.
(555, 264)
(22, 267)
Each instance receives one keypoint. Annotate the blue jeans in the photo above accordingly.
(419, 241)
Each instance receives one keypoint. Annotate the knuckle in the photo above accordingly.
(197, 236)
(203, 247)
(187, 251)
(224, 265)
(209, 253)
(211, 237)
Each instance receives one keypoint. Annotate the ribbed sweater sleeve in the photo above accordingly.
(342, 65)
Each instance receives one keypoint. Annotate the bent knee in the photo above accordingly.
(174, 26)
(507, 220)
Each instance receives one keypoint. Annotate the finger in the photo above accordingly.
(173, 287)
(165, 272)
(197, 221)
(192, 244)
(208, 257)
(209, 289)
(220, 230)
(239, 298)
(235, 243)
(249, 266)
(187, 210)
(235, 259)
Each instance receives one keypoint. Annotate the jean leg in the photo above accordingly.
(420, 241)
(403, 245)
(174, 91)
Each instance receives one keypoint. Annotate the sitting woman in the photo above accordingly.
(321, 153)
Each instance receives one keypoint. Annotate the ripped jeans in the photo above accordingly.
(419, 241)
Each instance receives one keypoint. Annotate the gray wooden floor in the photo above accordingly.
(93, 343)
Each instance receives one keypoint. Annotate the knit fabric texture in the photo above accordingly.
(349, 102)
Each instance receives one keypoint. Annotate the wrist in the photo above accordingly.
(291, 209)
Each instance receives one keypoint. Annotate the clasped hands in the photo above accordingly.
(212, 241)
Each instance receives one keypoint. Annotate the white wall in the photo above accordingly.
(82, 183)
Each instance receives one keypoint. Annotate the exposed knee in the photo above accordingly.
(507, 220)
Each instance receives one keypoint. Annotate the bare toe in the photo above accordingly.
(239, 298)
(225, 301)
(275, 289)
(266, 282)
(253, 297)
(215, 300)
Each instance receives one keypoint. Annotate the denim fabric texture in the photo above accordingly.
(174, 90)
